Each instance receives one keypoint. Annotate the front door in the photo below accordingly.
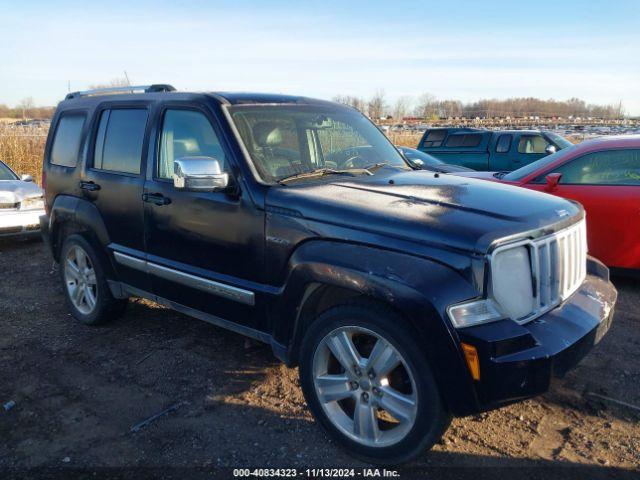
(204, 249)
(113, 180)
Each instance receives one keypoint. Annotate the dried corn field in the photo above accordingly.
(22, 148)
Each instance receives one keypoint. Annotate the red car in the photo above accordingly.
(602, 174)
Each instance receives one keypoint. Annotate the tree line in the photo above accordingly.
(429, 107)
(26, 109)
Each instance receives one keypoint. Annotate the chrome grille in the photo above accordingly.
(559, 266)
(9, 206)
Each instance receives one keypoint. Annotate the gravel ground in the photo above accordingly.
(79, 390)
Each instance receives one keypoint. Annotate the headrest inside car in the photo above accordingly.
(267, 134)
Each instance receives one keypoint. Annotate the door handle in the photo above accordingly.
(156, 199)
(90, 186)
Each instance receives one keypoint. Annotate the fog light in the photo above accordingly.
(473, 362)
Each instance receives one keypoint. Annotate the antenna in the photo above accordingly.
(127, 77)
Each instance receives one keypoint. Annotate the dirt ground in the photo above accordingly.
(79, 390)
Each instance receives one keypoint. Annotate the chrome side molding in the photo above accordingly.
(230, 292)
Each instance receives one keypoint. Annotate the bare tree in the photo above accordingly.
(427, 106)
(377, 105)
(114, 82)
(26, 105)
(355, 102)
(401, 107)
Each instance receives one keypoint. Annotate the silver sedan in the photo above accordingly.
(21, 203)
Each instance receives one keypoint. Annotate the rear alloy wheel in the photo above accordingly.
(367, 381)
(85, 284)
(80, 279)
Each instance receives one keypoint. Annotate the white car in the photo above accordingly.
(21, 203)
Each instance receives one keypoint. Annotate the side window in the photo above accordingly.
(434, 138)
(504, 143)
(613, 167)
(532, 144)
(66, 143)
(186, 133)
(464, 140)
(119, 140)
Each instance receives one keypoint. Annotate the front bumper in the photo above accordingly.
(518, 361)
(19, 222)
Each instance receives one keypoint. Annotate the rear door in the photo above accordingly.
(501, 152)
(113, 180)
(607, 184)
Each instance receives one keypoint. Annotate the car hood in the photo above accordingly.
(14, 191)
(482, 175)
(419, 206)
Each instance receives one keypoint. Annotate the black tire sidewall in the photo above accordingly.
(431, 421)
(104, 299)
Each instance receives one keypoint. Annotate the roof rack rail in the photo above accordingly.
(158, 87)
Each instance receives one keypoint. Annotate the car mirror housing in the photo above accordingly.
(199, 174)
(550, 149)
(552, 181)
(26, 178)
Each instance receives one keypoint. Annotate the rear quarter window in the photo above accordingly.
(434, 138)
(66, 142)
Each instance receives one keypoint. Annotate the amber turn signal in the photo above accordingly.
(471, 356)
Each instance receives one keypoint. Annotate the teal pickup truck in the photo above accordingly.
(500, 150)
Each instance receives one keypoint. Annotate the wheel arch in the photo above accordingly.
(71, 215)
(326, 274)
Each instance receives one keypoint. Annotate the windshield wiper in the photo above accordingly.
(376, 167)
(320, 172)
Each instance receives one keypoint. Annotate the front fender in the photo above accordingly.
(417, 288)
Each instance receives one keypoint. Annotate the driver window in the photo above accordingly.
(532, 144)
(186, 133)
(613, 167)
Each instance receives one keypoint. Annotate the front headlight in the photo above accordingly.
(33, 203)
(512, 282)
(510, 291)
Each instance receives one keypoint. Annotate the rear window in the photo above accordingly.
(464, 140)
(434, 138)
(119, 140)
(66, 143)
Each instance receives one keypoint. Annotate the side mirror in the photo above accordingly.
(552, 181)
(199, 174)
(550, 149)
(26, 178)
(416, 162)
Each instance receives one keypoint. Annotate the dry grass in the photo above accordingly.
(22, 149)
(405, 139)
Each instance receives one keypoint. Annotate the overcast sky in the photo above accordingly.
(464, 49)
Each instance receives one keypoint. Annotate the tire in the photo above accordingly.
(93, 305)
(409, 390)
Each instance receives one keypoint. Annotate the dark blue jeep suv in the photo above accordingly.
(406, 297)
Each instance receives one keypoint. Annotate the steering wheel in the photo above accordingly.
(349, 158)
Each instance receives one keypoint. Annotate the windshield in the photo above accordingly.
(6, 173)
(525, 171)
(287, 140)
(560, 141)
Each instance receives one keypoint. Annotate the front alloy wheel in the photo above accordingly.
(365, 386)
